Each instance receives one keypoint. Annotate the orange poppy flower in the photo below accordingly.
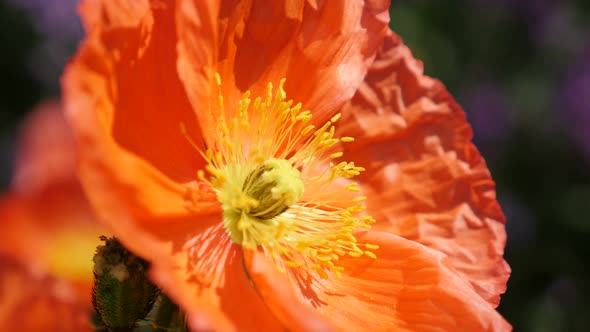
(242, 199)
(49, 233)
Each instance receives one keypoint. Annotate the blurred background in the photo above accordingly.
(521, 70)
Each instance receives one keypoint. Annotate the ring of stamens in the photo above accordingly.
(265, 157)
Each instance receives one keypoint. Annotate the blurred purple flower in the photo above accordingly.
(488, 109)
(57, 19)
(531, 11)
(58, 22)
(522, 222)
(551, 24)
(560, 30)
(575, 101)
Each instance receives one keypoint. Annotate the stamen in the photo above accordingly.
(266, 155)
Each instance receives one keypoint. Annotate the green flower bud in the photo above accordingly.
(122, 292)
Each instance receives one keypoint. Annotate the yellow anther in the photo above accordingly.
(324, 258)
(336, 117)
(370, 254)
(355, 254)
(307, 129)
(297, 108)
(356, 208)
(336, 155)
(303, 118)
(257, 102)
(339, 252)
(229, 144)
(313, 253)
(322, 129)
(329, 142)
(320, 271)
(353, 187)
(293, 264)
(214, 171)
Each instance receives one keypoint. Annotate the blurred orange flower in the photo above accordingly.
(49, 233)
(243, 204)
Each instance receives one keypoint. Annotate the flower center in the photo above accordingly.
(266, 192)
(275, 185)
(260, 164)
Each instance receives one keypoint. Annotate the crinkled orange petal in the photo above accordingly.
(34, 302)
(132, 48)
(408, 287)
(424, 179)
(203, 272)
(126, 104)
(323, 50)
(278, 294)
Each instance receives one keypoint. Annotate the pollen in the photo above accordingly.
(275, 177)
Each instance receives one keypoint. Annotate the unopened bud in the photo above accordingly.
(122, 293)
